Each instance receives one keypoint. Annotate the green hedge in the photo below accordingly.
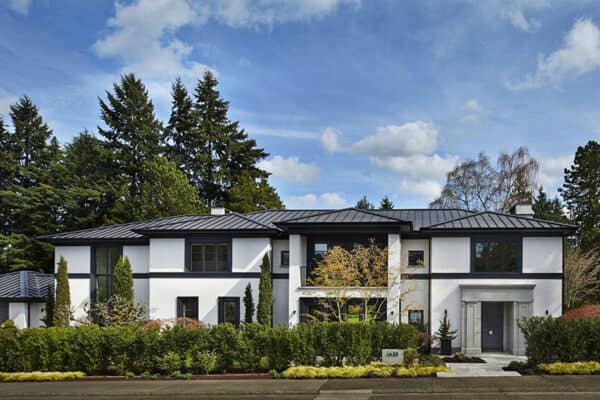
(556, 339)
(95, 350)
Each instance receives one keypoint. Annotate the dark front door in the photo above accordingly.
(492, 321)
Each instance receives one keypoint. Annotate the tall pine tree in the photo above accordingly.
(179, 134)
(548, 209)
(386, 204)
(131, 129)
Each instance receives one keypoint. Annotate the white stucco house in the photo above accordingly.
(486, 269)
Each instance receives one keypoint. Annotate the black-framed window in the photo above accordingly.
(320, 249)
(209, 257)
(187, 307)
(496, 254)
(415, 317)
(416, 258)
(285, 259)
(229, 310)
(3, 311)
(105, 258)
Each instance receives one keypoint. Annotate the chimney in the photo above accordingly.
(218, 211)
(522, 210)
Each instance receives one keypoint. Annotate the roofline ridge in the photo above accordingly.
(454, 220)
(325, 212)
(249, 219)
(373, 213)
(532, 218)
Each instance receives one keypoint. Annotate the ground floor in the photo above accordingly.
(524, 387)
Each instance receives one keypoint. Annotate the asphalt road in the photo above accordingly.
(527, 387)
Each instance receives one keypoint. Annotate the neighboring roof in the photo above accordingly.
(269, 221)
(344, 216)
(493, 220)
(585, 311)
(25, 285)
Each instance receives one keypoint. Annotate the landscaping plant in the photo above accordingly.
(62, 306)
(446, 335)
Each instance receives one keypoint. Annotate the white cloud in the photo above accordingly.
(579, 55)
(428, 188)
(6, 99)
(331, 140)
(20, 6)
(418, 166)
(551, 173)
(250, 13)
(473, 110)
(290, 169)
(399, 140)
(312, 200)
(516, 16)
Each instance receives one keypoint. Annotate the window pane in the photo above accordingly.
(113, 256)
(320, 248)
(285, 258)
(196, 264)
(229, 311)
(210, 258)
(187, 307)
(415, 316)
(496, 256)
(101, 260)
(223, 257)
(416, 258)
(102, 287)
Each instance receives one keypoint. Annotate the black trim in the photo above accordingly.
(521, 232)
(92, 275)
(190, 240)
(23, 299)
(415, 276)
(207, 275)
(101, 242)
(199, 233)
(179, 302)
(496, 275)
(221, 310)
(280, 275)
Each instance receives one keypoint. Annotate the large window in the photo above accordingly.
(209, 257)
(104, 262)
(496, 254)
(229, 310)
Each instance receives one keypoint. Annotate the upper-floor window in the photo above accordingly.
(416, 258)
(496, 254)
(285, 259)
(321, 249)
(209, 257)
(105, 258)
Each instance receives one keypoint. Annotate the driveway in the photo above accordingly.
(526, 387)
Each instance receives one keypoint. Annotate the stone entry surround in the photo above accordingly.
(518, 303)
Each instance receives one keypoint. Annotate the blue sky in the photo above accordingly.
(349, 97)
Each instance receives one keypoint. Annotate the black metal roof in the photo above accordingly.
(25, 285)
(494, 220)
(269, 221)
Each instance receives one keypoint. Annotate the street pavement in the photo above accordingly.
(525, 387)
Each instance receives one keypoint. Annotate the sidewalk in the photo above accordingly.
(526, 387)
(494, 362)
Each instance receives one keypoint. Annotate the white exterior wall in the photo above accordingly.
(139, 257)
(141, 291)
(445, 294)
(164, 293)
(247, 253)
(18, 313)
(37, 311)
(297, 245)
(80, 297)
(167, 255)
(542, 254)
(415, 244)
(278, 247)
(415, 297)
(78, 258)
(280, 302)
(396, 287)
(450, 254)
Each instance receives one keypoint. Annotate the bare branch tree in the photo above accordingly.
(582, 271)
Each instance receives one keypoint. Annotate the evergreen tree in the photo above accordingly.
(251, 195)
(132, 130)
(123, 280)
(248, 305)
(581, 195)
(265, 293)
(165, 191)
(49, 307)
(180, 134)
(364, 204)
(386, 204)
(548, 209)
(62, 306)
(222, 151)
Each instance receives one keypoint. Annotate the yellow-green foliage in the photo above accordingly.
(571, 368)
(362, 371)
(38, 376)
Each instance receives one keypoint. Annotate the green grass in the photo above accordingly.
(38, 376)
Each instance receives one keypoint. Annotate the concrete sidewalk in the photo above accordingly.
(526, 387)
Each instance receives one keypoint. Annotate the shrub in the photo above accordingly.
(169, 363)
(361, 371)
(39, 376)
(573, 368)
(8, 324)
(556, 339)
(411, 357)
(205, 362)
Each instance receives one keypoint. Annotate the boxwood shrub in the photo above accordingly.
(97, 351)
(566, 340)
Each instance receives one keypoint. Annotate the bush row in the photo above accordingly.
(375, 370)
(96, 351)
(556, 339)
(573, 368)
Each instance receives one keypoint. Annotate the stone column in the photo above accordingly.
(470, 331)
(394, 282)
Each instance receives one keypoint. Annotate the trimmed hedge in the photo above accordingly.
(117, 350)
(556, 339)
(376, 370)
(38, 376)
(574, 368)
